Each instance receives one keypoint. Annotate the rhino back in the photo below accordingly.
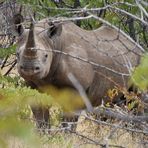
(112, 54)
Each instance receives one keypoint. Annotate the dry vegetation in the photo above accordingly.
(90, 131)
(90, 135)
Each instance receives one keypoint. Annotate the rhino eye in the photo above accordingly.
(46, 55)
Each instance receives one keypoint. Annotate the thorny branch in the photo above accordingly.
(114, 125)
(108, 112)
(93, 141)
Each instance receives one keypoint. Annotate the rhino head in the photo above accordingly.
(34, 51)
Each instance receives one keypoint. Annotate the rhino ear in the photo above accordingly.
(54, 29)
(18, 27)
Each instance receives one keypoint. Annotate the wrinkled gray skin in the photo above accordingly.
(104, 46)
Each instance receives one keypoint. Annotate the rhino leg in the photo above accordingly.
(41, 114)
(42, 117)
(97, 91)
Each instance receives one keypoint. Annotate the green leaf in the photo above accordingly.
(7, 51)
(12, 127)
(140, 74)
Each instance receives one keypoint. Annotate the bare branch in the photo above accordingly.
(129, 14)
(129, 118)
(12, 66)
(114, 125)
(93, 141)
(88, 61)
(144, 3)
(82, 92)
(141, 8)
(129, 38)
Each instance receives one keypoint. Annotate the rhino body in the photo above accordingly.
(104, 57)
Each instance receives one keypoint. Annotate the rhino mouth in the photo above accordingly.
(31, 73)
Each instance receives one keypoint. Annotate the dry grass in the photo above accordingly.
(110, 136)
(89, 135)
(13, 72)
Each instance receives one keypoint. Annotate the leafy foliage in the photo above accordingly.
(132, 101)
(15, 111)
(140, 74)
(7, 51)
(63, 97)
(8, 81)
(14, 105)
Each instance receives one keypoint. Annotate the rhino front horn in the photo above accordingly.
(30, 49)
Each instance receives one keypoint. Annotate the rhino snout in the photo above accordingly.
(35, 68)
(30, 70)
